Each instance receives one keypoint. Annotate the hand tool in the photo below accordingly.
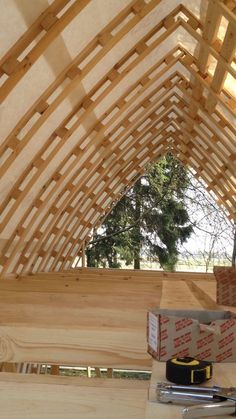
(210, 401)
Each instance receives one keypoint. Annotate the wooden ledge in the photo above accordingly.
(34, 397)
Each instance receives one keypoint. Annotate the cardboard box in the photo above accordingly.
(225, 285)
(202, 334)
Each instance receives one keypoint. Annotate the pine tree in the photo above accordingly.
(150, 219)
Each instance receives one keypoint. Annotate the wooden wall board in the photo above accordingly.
(91, 317)
(25, 396)
(113, 347)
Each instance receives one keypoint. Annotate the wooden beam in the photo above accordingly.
(214, 170)
(227, 53)
(106, 185)
(209, 34)
(112, 149)
(210, 31)
(205, 50)
(86, 317)
(19, 192)
(43, 191)
(206, 82)
(83, 256)
(57, 280)
(156, 156)
(75, 347)
(30, 230)
(219, 122)
(53, 26)
(41, 109)
(31, 397)
(122, 179)
(225, 10)
(92, 203)
(76, 322)
(109, 193)
(35, 29)
(211, 141)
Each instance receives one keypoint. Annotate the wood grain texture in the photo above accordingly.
(35, 397)
(90, 316)
(121, 98)
(53, 26)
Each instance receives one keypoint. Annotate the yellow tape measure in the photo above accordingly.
(188, 371)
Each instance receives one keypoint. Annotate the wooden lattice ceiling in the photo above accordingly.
(92, 91)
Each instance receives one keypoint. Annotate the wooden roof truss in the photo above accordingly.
(71, 163)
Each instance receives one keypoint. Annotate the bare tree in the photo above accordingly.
(214, 239)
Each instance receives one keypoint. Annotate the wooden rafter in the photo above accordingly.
(44, 107)
(104, 141)
(227, 53)
(49, 22)
(64, 134)
(26, 230)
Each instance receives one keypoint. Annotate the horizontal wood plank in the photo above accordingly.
(36, 397)
(91, 317)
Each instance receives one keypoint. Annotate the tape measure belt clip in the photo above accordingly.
(201, 375)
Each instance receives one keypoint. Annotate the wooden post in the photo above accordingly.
(83, 256)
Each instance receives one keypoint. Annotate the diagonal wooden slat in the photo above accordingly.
(227, 52)
(164, 110)
(53, 25)
(42, 109)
